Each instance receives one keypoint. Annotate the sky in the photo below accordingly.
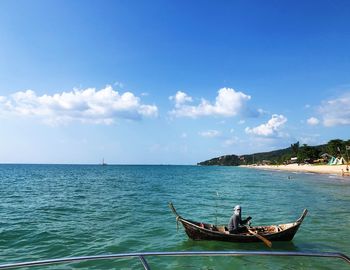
(170, 82)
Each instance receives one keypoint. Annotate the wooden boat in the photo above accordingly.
(205, 231)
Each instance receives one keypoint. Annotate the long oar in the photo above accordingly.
(262, 238)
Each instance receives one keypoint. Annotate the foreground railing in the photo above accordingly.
(141, 256)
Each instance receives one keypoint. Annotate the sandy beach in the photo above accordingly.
(324, 169)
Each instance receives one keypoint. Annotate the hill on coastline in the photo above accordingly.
(234, 160)
(335, 148)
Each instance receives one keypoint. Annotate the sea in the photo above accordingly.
(55, 211)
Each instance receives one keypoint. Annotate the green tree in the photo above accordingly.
(295, 149)
(308, 152)
(284, 158)
(347, 145)
(335, 147)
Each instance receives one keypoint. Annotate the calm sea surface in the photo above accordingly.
(54, 211)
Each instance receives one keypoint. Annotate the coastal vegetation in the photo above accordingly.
(295, 153)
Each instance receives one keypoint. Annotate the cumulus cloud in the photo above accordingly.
(271, 128)
(89, 106)
(210, 133)
(313, 121)
(180, 98)
(337, 111)
(227, 103)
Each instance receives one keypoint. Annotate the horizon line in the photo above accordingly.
(98, 164)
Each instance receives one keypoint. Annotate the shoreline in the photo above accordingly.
(307, 168)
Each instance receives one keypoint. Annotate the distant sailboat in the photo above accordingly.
(103, 162)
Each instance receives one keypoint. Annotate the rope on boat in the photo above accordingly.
(171, 206)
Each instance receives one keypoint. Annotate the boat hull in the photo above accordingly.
(197, 233)
(203, 231)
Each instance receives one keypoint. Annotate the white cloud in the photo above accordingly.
(119, 85)
(227, 103)
(88, 106)
(311, 139)
(271, 128)
(210, 133)
(337, 111)
(313, 121)
(231, 141)
(180, 98)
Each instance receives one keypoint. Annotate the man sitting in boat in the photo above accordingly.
(236, 224)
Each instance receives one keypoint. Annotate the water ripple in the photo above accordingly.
(51, 211)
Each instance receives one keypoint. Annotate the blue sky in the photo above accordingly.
(170, 82)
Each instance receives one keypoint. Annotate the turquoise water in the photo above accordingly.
(53, 211)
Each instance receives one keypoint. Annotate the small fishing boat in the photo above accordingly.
(205, 231)
(103, 162)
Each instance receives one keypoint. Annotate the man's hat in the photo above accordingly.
(237, 207)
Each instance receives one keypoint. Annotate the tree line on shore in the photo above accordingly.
(296, 152)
